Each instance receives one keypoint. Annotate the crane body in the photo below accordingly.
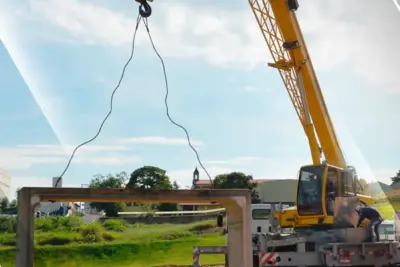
(283, 36)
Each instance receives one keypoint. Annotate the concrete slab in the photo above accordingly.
(236, 201)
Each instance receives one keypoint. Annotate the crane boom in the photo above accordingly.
(278, 23)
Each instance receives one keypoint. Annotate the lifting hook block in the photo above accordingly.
(144, 8)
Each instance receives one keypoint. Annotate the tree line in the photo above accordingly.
(151, 177)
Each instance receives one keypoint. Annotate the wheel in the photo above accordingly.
(256, 261)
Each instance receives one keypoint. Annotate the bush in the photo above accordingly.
(8, 240)
(175, 235)
(92, 232)
(8, 224)
(56, 240)
(202, 227)
(58, 223)
(71, 223)
(110, 236)
(115, 225)
(111, 209)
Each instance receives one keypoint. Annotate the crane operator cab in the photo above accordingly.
(318, 186)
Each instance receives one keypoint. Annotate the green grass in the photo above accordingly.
(386, 211)
(132, 245)
(388, 207)
(129, 253)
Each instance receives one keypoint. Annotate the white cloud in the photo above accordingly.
(180, 31)
(58, 150)
(362, 43)
(22, 157)
(362, 40)
(158, 140)
(236, 161)
(25, 156)
(85, 22)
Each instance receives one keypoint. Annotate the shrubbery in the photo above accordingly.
(62, 230)
(58, 223)
(92, 232)
(115, 225)
(55, 239)
(8, 224)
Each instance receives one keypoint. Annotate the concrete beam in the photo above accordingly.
(236, 201)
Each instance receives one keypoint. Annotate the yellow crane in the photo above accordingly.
(323, 180)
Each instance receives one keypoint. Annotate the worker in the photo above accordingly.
(330, 197)
(374, 217)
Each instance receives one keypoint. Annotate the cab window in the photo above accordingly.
(347, 184)
(260, 214)
(360, 190)
(331, 183)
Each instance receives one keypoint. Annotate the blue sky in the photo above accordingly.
(60, 61)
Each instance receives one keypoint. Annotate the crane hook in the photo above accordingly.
(144, 8)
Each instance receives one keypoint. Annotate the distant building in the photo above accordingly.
(269, 190)
(206, 184)
(5, 184)
(395, 185)
(275, 191)
(379, 188)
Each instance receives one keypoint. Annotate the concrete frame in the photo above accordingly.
(236, 201)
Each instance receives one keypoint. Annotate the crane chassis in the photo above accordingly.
(311, 250)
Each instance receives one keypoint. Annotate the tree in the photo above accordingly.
(110, 181)
(149, 177)
(237, 180)
(395, 178)
(4, 203)
(175, 185)
(13, 203)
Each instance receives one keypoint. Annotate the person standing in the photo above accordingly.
(375, 220)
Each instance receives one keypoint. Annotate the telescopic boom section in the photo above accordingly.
(282, 33)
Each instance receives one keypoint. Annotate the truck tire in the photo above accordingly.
(256, 261)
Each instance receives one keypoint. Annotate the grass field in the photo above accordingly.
(387, 211)
(387, 208)
(129, 253)
(66, 241)
(128, 245)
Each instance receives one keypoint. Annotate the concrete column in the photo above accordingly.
(25, 228)
(239, 220)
